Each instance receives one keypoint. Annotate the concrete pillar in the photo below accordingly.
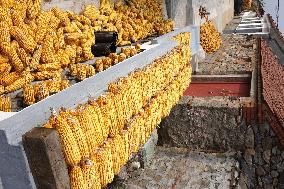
(45, 156)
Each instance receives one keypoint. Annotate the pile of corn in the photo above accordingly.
(98, 137)
(38, 45)
(133, 20)
(41, 90)
(43, 45)
(247, 4)
(114, 58)
(210, 38)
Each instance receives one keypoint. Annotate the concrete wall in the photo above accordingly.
(186, 12)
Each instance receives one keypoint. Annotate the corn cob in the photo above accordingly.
(91, 174)
(49, 67)
(36, 58)
(17, 18)
(121, 57)
(101, 131)
(48, 75)
(125, 148)
(19, 83)
(24, 57)
(29, 94)
(3, 59)
(2, 89)
(41, 91)
(87, 126)
(25, 40)
(64, 84)
(62, 16)
(105, 164)
(117, 153)
(28, 29)
(33, 9)
(6, 16)
(47, 55)
(99, 65)
(42, 22)
(70, 147)
(79, 135)
(5, 69)
(77, 179)
(5, 103)
(8, 79)
(5, 37)
(54, 86)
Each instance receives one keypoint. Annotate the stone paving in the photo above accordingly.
(237, 55)
(178, 168)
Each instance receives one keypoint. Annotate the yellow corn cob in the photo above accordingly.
(54, 86)
(62, 16)
(36, 58)
(29, 94)
(27, 29)
(125, 149)
(33, 9)
(42, 25)
(90, 71)
(87, 126)
(47, 55)
(6, 16)
(69, 145)
(5, 37)
(2, 89)
(41, 91)
(3, 59)
(16, 18)
(25, 40)
(49, 67)
(117, 153)
(81, 74)
(5, 103)
(64, 84)
(5, 68)
(79, 135)
(19, 83)
(91, 174)
(10, 78)
(101, 131)
(24, 57)
(105, 164)
(99, 65)
(77, 179)
(48, 75)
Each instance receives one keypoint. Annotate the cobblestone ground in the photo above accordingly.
(173, 168)
(237, 55)
(262, 163)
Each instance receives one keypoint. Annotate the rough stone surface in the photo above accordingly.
(204, 123)
(237, 55)
(181, 168)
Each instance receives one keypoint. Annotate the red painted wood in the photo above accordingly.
(236, 89)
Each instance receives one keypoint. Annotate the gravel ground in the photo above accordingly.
(237, 55)
(183, 169)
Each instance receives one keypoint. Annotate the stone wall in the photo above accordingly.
(207, 123)
(186, 12)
